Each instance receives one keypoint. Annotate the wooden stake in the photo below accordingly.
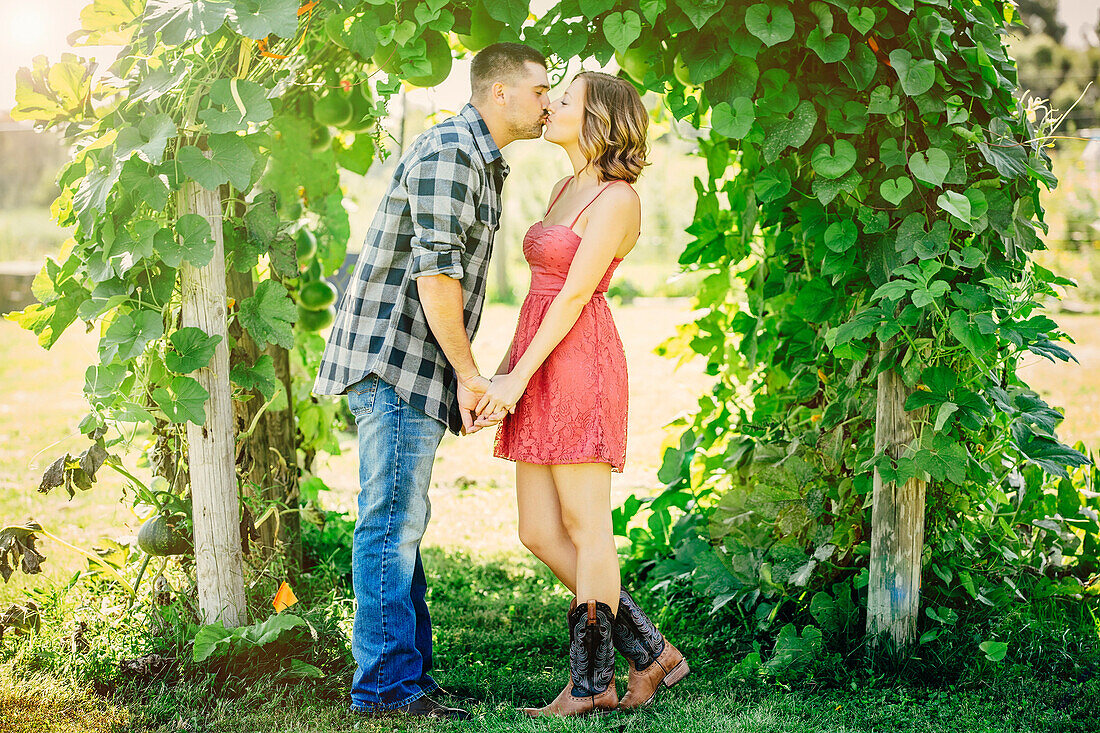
(215, 504)
(897, 527)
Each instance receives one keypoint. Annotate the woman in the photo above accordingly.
(562, 392)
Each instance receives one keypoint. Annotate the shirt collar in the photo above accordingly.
(485, 143)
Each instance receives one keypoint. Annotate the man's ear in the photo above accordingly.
(496, 92)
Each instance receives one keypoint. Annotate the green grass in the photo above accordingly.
(499, 630)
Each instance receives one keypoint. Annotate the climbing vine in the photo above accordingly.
(870, 204)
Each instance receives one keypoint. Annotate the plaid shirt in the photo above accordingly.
(438, 217)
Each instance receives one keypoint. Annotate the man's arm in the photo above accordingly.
(442, 204)
(441, 299)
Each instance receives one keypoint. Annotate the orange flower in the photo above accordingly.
(284, 598)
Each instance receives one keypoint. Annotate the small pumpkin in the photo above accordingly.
(158, 536)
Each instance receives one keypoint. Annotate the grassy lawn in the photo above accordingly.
(499, 623)
(499, 629)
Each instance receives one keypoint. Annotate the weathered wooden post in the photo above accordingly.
(215, 504)
(897, 527)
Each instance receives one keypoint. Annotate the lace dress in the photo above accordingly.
(574, 409)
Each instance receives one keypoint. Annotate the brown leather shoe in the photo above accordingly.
(643, 685)
(653, 660)
(591, 689)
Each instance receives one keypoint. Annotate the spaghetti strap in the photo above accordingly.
(592, 201)
(557, 197)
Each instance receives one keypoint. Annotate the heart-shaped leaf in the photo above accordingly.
(622, 29)
(698, 11)
(833, 162)
(931, 166)
(840, 235)
(260, 18)
(192, 349)
(241, 102)
(956, 204)
(862, 19)
(829, 48)
(733, 120)
(269, 314)
(770, 23)
(791, 133)
(230, 161)
(183, 400)
(917, 75)
(896, 189)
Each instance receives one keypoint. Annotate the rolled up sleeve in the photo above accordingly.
(443, 190)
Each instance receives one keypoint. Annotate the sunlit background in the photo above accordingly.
(40, 393)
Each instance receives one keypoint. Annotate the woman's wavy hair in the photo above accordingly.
(613, 130)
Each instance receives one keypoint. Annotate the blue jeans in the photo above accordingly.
(392, 636)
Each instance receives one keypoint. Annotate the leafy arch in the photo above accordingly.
(870, 204)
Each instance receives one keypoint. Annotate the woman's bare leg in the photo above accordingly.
(584, 497)
(540, 527)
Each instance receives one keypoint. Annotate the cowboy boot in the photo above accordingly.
(591, 688)
(653, 660)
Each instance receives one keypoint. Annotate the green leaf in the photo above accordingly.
(995, 651)
(148, 139)
(211, 639)
(917, 76)
(895, 190)
(269, 315)
(129, 334)
(193, 350)
(840, 235)
(1047, 453)
(793, 132)
(956, 204)
(257, 19)
(230, 161)
(829, 48)
(772, 183)
(771, 23)
(890, 153)
(260, 376)
(700, 11)
(883, 103)
(303, 670)
(270, 630)
(931, 166)
(945, 460)
(622, 29)
(179, 21)
(182, 401)
(969, 335)
(862, 19)
(733, 120)
(514, 12)
(651, 9)
(194, 243)
(240, 101)
(142, 186)
(833, 162)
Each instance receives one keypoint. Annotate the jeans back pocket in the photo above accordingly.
(361, 395)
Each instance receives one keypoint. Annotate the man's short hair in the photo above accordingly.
(503, 62)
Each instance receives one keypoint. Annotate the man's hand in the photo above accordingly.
(470, 392)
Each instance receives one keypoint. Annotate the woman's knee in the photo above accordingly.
(538, 538)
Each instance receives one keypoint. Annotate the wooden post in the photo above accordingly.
(897, 527)
(215, 505)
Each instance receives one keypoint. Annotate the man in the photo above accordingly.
(400, 350)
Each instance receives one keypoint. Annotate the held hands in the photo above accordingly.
(501, 397)
(470, 392)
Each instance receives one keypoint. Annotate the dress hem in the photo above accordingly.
(562, 461)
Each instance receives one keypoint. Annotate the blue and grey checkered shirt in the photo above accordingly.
(438, 217)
